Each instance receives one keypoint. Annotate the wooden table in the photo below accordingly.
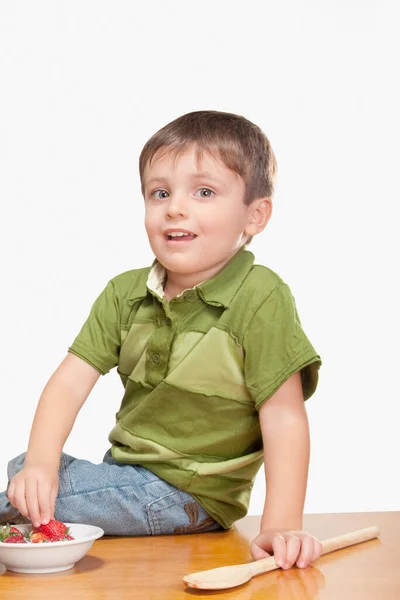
(152, 568)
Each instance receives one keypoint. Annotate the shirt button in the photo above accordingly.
(156, 358)
(168, 321)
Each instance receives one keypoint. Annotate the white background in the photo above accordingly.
(84, 84)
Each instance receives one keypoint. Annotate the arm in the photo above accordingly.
(58, 407)
(286, 440)
(34, 489)
(285, 432)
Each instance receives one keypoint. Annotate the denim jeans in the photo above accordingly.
(122, 499)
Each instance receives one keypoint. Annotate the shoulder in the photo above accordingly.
(264, 278)
(260, 292)
(260, 284)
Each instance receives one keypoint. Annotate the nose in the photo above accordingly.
(177, 207)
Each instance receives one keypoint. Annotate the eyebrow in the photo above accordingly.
(202, 175)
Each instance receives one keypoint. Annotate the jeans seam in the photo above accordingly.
(149, 505)
(152, 515)
(96, 491)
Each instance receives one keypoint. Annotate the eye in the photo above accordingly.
(159, 192)
(208, 192)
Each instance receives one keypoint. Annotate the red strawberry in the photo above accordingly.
(68, 537)
(8, 532)
(15, 530)
(15, 539)
(54, 530)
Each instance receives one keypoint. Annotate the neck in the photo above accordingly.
(177, 282)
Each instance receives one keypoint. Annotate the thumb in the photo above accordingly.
(258, 553)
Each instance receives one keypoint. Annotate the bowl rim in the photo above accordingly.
(99, 532)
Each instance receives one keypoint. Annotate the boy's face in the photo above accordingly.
(205, 204)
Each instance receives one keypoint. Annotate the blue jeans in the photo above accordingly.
(122, 499)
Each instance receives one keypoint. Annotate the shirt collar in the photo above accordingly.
(156, 279)
(218, 290)
(221, 289)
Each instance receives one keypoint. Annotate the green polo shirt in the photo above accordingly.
(195, 371)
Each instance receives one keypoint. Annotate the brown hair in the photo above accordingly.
(238, 143)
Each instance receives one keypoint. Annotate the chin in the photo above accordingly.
(182, 265)
(181, 269)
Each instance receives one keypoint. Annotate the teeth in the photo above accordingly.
(177, 234)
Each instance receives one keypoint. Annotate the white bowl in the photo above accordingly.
(52, 556)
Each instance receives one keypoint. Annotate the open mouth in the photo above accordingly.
(180, 236)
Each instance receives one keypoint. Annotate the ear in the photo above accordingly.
(259, 214)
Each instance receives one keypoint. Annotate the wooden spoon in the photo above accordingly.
(228, 577)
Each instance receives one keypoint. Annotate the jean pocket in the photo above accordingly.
(178, 512)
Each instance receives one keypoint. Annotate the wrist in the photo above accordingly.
(40, 462)
(293, 523)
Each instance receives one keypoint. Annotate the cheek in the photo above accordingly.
(146, 224)
(149, 219)
(214, 219)
(229, 222)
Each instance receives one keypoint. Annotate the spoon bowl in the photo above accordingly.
(234, 575)
(220, 578)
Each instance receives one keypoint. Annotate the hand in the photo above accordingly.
(33, 491)
(288, 547)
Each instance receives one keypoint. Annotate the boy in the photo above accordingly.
(212, 356)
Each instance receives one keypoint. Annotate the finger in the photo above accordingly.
(306, 552)
(11, 492)
(279, 548)
(43, 495)
(257, 552)
(19, 500)
(317, 550)
(293, 549)
(31, 494)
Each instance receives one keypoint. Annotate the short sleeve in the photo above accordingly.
(99, 340)
(276, 347)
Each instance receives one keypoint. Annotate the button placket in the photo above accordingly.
(158, 354)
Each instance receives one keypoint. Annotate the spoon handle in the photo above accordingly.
(348, 539)
(336, 543)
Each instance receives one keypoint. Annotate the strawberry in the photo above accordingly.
(54, 530)
(15, 539)
(7, 532)
(38, 538)
(15, 530)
